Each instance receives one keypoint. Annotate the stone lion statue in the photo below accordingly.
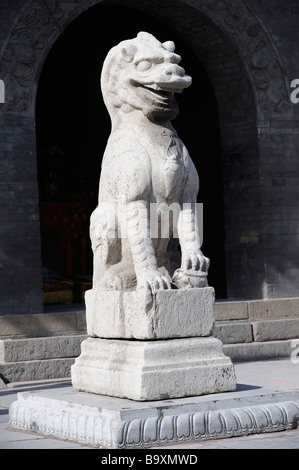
(145, 170)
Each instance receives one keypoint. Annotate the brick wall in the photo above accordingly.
(20, 260)
(20, 252)
(279, 160)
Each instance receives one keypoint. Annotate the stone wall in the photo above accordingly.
(279, 162)
(20, 258)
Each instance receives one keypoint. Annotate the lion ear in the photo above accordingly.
(169, 46)
(129, 52)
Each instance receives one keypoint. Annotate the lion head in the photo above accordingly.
(143, 74)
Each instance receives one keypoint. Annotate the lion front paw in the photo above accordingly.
(189, 279)
(193, 272)
(153, 280)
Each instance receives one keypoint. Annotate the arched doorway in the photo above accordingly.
(252, 93)
(72, 129)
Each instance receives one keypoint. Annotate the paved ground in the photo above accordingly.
(275, 375)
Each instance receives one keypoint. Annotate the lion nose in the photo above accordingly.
(175, 69)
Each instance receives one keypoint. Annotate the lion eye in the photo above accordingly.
(144, 65)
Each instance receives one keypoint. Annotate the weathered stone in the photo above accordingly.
(2, 384)
(233, 332)
(231, 310)
(123, 424)
(29, 349)
(149, 184)
(26, 371)
(170, 313)
(153, 370)
(41, 324)
(275, 329)
(259, 351)
(274, 308)
(143, 287)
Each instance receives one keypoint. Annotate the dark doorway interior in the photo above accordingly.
(72, 127)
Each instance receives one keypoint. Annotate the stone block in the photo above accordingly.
(231, 311)
(25, 371)
(153, 370)
(275, 329)
(274, 308)
(81, 320)
(37, 324)
(259, 351)
(134, 314)
(233, 332)
(29, 349)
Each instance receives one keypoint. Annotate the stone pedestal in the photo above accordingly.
(173, 354)
(153, 370)
(116, 423)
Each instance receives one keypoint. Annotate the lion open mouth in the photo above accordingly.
(158, 92)
(155, 94)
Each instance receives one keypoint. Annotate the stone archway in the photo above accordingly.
(248, 83)
(38, 26)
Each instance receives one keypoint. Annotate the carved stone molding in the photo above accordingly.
(124, 424)
(30, 40)
(255, 48)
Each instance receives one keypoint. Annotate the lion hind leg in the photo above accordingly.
(106, 245)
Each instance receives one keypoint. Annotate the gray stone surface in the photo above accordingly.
(274, 308)
(276, 329)
(40, 324)
(37, 369)
(276, 375)
(170, 314)
(231, 310)
(152, 370)
(2, 384)
(117, 423)
(257, 351)
(233, 332)
(29, 349)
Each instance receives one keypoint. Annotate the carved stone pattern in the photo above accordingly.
(37, 29)
(256, 49)
(211, 425)
(93, 429)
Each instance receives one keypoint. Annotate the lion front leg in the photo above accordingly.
(144, 258)
(194, 265)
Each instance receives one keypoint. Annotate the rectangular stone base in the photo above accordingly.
(153, 370)
(123, 424)
(134, 314)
